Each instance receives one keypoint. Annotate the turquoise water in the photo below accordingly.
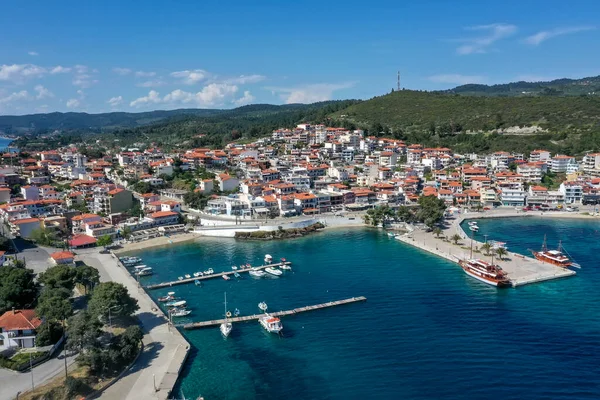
(427, 331)
(4, 143)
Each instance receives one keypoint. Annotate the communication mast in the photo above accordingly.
(398, 80)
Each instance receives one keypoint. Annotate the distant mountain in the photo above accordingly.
(564, 86)
(17, 124)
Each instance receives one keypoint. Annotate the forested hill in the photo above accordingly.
(557, 87)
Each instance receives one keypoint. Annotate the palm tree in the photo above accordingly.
(501, 251)
(486, 247)
(437, 232)
(455, 238)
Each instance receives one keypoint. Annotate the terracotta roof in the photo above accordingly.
(161, 214)
(19, 320)
(81, 240)
(62, 255)
(26, 221)
(84, 216)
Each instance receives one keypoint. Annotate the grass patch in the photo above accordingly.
(22, 357)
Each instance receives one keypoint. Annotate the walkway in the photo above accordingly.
(165, 349)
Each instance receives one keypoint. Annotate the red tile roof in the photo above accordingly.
(161, 214)
(19, 320)
(81, 240)
(62, 255)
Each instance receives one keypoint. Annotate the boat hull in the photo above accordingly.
(490, 282)
(544, 259)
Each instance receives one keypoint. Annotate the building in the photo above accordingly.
(573, 192)
(82, 241)
(115, 201)
(18, 329)
(63, 257)
(561, 163)
(591, 164)
(30, 192)
(24, 227)
(227, 183)
(531, 172)
(161, 218)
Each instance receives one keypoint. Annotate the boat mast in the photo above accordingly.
(544, 247)
(225, 305)
(560, 245)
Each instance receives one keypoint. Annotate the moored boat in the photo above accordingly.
(226, 277)
(485, 272)
(273, 271)
(187, 276)
(237, 275)
(257, 273)
(169, 297)
(180, 312)
(177, 303)
(495, 244)
(197, 274)
(268, 259)
(197, 282)
(226, 326)
(269, 323)
(554, 257)
(144, 271)
(473, 228)
(286, 267)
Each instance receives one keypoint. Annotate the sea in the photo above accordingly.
(426, 331)
(4, 142)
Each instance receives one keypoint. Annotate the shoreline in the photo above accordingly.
(158, 242)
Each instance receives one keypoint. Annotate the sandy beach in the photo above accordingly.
(158, 242)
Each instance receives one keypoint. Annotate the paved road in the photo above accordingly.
(36, 258)
(12, 382)
(164, 350)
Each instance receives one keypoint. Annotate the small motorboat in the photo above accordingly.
(197, 274)
(268, 259)
(180, 312)
(187, 276)
(273, 271)
(257, 273)
(233, 267)
(169, 297)
(180, 278)
(197, 282)
(391, 234)
(176, 303)
(226, 277)
(473, 228)
(144, 271)
(262, 306)
(238, 276)
(472, 223)
(286, 267)
(209, 271)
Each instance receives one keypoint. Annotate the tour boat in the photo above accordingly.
(273, 271)
(485, 272)
(270, 323)
(257, 273)
(180, 312)
(177, 303)
(187, 276)
(555, 257)
(226, 326)
(268, 259)
(226, 277)
(169, 297)
(144, 271)
(197, 274)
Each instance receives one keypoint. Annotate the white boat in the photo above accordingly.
(237, 275)
(472, 223)
(262, 306)
(226, 277)
(497, 245)
(169, 297)
(273, 271)
(139, 267)
(227, 326)
(391, 234)
(197, 282)
(178, 303)
(187, 276)
(268, 259)
(180, 312)
(473, 228)
(197, 274)
(144, 272)
(286, 267)
(270, 323)
(234, 268)
(257, 273)
(209, 271)
(180, 278)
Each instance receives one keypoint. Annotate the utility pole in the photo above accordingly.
(31, 369)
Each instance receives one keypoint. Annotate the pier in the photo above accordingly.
(213, 276)
(521, 270)
(216, 322)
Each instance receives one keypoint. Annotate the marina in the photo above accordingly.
(227, 274)
(217, 322)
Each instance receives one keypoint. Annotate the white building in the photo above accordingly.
(560, 163)
(573, 192)
(591, 164)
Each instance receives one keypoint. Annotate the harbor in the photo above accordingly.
(521, 270)
(217, 322)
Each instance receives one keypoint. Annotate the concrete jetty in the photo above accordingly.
(213, 276)
(521, 270)
(216, 322)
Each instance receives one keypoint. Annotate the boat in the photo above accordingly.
(257, 273)
(144, 271)
(472, 223)
(226, 326)
(497, 245)
(485, 272)
(270, 323)
(130, 261)
(236, 312)
(180, 312)
(554, 257)
(273, 271)
(169, 297)
(209, 271)
(197, 282)
(473, 228)
(268, 259)
(391, 234)
(197, 274)
(187, 276)
(139, 267)
(237, 275)
(176, 303)
(180, 278)
(226, 277)
(234, 268)
(286, 267)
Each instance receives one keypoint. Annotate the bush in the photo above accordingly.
(48, 333)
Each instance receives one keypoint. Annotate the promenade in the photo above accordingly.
(154, 374)
(521, 270)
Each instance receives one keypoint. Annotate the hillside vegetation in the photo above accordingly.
(567, 87)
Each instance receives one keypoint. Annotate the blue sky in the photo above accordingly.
(138, 56)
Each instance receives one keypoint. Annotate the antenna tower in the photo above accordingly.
(398, 80)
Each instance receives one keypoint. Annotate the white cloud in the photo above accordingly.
(42, 92)
(73, 103)
(59, 69)
(33, 53)
(115, 101)
(20, 72)
(84, 81)
(309, 93)
(190, 77)
(152, 98)
(457, 79)
(121, 71)
(151, 83)
(245, 79)
(15, 96)
(81, 69)
(490, 34)
(144, 74)
(545, 35)
(247, 98)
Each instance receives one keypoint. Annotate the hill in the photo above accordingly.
(567, 87)
(565, 123)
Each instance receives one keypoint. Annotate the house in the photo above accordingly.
(82, 241)
(164, 218)
(573, 192)
(227, 183)
(24, 227)
(62, 257)
(17, 329)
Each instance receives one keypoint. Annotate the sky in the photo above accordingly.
(138, 56)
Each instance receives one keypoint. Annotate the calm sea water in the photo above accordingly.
(4, 143)
(427, 330)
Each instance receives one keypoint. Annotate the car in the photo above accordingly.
(486, 209)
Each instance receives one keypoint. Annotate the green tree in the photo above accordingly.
(129, 341)
(48, 333)
(17, 288)
(83, 330)
(195, 200)
(111, 295)
(53, 306)
(486, 247)
(87, 276)
(437, 232)
(126, 232)
(104, 241)
(59, 276)
(431, 210)
(43, 237)
(501, 251)
(455, 238)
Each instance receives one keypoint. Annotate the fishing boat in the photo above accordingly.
(269, 323)
(257, 273)
(144, 271)
(187, 276)
(180, 312)
(169, 297)
(273, 271)
(226, 326)
(197, 274)
(555, 257)
(485, 272)
(268, 259)
(197, 282)
(226, 277)
(176, 303)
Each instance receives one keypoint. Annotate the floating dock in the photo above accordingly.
(216, 322)
(213, 276)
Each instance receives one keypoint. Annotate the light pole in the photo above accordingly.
(31, 369)
(109, 315)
